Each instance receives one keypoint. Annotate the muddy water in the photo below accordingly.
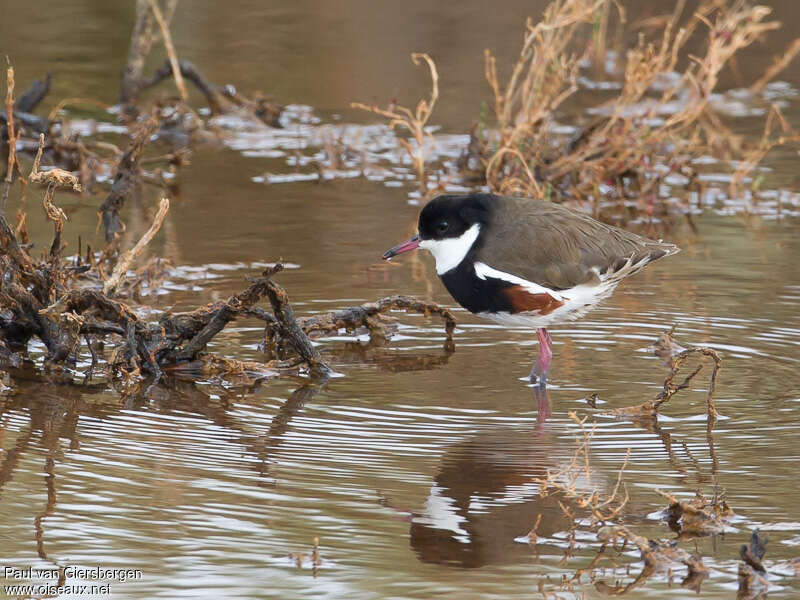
(417, 469)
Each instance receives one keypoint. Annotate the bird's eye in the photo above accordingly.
(442, 226)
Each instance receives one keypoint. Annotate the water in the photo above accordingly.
(418, 470)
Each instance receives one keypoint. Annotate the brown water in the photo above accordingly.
(416, 470)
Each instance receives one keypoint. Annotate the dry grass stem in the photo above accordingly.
(12, 138)
(173, 58)
(313, 557)
(654, 126)
(125, 260)
(13, 163)
(778, 65)
(753, 156)
(414, 121)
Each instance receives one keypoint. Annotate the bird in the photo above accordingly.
(526, 262)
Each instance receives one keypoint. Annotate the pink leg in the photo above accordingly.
(542, 364)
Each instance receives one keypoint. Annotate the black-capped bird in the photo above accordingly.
(526, 262)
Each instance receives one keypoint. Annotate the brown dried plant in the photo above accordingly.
(574, 481)
(11, 134)
(544, 76)
(414, 121)
(53, 177)
(699, 516)
(657, 122)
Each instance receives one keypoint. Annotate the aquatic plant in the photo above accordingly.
(658, 122)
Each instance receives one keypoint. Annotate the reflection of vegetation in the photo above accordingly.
(609, 522)
(588, 505)
(659, 557)
(698, 517)
(54, 411)
(468, 520)
(574, 481)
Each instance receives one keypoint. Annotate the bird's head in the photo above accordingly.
(449, 227)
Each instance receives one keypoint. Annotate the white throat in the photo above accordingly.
(449, 252)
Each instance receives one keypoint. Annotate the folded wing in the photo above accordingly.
(558, 248)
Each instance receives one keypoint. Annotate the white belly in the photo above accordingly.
(577, 302)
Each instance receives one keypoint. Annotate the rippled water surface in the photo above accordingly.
(417, 470)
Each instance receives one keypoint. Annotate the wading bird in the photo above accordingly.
(525, 262)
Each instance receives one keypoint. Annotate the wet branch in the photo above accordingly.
(209, 324)
(365, 316)
(677, 361)
(289, 329)
(125, 180)
(675, 356)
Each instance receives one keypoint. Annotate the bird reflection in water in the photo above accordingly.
(487, 493)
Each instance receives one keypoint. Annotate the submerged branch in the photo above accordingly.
(364, 316)
(675, 356)
(125, 180)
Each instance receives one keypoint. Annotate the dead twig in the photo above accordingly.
(57, 216)
(124, 262)
(414, 121)
(675, 356)
(52, 177)
(364, 316)
(213, 94)
(125, 180)
(290, 330)
(173, 59)
(777, 66)
(141, 42)
(11, 140)
(700, 516)
(36, 92)
(670, 389)
(222, 315)
(753, 583)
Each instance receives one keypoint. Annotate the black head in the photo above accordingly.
(445, 218)
(450, 216)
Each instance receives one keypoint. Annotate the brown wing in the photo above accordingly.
(559, 248)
